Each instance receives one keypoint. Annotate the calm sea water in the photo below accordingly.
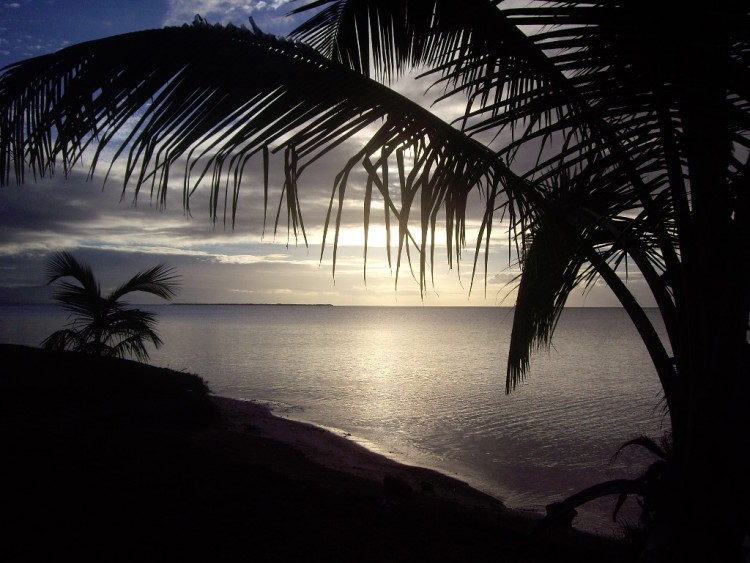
(426, 386)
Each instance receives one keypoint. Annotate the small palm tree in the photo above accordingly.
(103, 326)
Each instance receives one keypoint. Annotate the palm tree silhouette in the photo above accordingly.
(636, 118)
(104, 326)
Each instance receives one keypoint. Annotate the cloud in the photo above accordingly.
(250, 258)
(504, 278)
(221, 11)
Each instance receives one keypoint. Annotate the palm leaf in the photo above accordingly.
(65, 339)
(193, 104)
(160, 280)
(550, 271)
(63, 264)
(127, 331)
(132, 346)
(82, 299)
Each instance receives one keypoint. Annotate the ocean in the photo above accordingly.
(426, 386)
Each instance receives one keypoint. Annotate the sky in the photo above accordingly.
(244, 264)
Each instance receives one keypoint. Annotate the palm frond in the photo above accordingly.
(78, 300)
(661, 451)
(127, 332)
(621, 487)
(550, 271)
(132, 346)
(575, 238)
(390, 37)
(65, 339)
(64, 264)
(161, 280)
(193, 103)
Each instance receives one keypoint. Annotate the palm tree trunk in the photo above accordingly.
(704, 518)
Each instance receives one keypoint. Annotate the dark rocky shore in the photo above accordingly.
(112, 460)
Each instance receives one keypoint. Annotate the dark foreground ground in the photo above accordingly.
(111, 460)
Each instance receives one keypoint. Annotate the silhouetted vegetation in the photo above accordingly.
(85, 393)
(106, 326)
(612, 137)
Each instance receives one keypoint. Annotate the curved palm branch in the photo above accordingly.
(65, 339)
(159, 280)
(76, 298)
(194, 107)
(647, 486)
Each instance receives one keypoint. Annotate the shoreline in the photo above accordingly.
(341, 453)
(381, 459)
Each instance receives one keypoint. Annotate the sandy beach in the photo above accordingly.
(103, 464)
